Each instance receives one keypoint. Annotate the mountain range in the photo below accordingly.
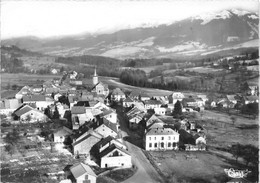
(198, 35)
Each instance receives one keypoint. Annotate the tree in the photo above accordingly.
(56, 114)
(233, 119)
(177, 108)
(236, 151)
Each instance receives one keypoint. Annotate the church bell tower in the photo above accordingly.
(95, 77)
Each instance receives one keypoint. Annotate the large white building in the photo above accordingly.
(161, 139)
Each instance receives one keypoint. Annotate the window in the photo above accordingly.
(162, 138)
(154, 138)
(169, 144)
(150, 138)
(162, 145)
(169, 138)
(155, 144)
(150, 144)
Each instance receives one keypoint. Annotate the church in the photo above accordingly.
(98, 87)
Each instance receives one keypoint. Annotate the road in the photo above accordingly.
(145, 171)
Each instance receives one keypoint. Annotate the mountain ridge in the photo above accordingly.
(191, 36)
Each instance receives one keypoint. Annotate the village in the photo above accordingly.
(99, 130)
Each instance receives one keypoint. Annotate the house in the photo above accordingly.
(128, 102)
(62, 108)
(253, 89)
(175, 96)
(135, 119)
(192, 142)
(73, 75)
(153, 119)
(41, 101)
(27, 113)
(115, 156)
(204, 98)
(144, 96)
(72, 100)
(232, 98)
(200, 102)
(83, 145)
(135, 94)
(24, 91)
(151, 104)
(189, 102)
(134, 111)
(108, 141)
(117, 95)
(162, 110)
(100, 89)
(250, 99)
(161, 139)
(110, 115)
(107, 128)
(82, 173)
(61, 134)
(54, 71)
(76, 82)
(79, 116)
(9, 106)
(88, 96)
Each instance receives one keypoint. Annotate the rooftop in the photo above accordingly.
(78, 110)
(80, 169)
(161, 131)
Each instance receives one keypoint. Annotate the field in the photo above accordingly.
(22, 79)
(43, 62)
(203, 70)
(209, 166)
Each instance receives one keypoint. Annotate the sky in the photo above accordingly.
(45, 18)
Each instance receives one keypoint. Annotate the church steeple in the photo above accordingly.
(95, 77)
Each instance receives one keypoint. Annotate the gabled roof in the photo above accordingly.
(104, 141)
(80, 169)
(85, 138)
(128, 99)
(152, 102)
(107, 112)
(100, 83)
(117, 91)
(251, 98)
(109, 124)
(111, 148)
(78, 110)
(34, 98)
(63, 131)
(22, 110)
(188, 100)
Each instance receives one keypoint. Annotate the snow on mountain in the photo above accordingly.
(195, 35)
(208, 17)
(187, 46)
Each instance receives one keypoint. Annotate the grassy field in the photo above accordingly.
(197, 167)
(209, 166)
(203, 70)
(22, 79)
